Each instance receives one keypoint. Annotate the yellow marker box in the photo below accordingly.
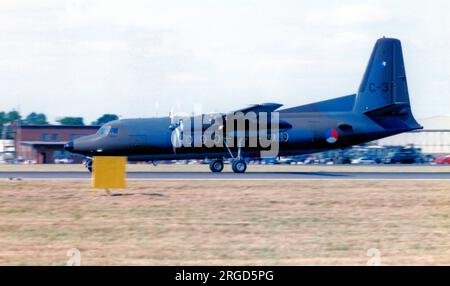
(109, 172)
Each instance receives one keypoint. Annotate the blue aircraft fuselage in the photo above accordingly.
(381, 108)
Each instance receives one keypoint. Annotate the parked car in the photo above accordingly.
(366, 160)
(404, 156)
(286, 161)
(311, 160)
(63, 161)
(443, 160)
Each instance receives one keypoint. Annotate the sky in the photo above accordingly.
(148, 58)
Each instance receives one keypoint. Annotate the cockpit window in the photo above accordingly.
(114, 131)
(104, 130)
(108, 130)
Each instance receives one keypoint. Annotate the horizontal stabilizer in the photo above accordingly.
(394, 116)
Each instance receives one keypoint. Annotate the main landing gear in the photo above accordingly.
(216, 166)
(237, 165)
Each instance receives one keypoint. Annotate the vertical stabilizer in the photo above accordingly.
(384, 82)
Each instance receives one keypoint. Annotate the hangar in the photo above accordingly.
(43, 144)
(434, 138)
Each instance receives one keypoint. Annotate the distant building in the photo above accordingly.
(42, 144)
(7, 151)
(433, 139)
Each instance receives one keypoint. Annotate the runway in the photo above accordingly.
(233, 176)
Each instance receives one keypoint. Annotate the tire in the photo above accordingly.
(239, 166)
(216, 166)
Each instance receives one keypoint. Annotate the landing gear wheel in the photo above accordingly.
(88, 165)
(239, 166)
(216, 166)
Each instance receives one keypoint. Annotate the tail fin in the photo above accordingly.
(384, 90)
(384, 81)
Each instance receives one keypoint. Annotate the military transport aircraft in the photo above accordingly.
(380, 108)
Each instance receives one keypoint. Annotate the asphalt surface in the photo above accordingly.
(232, 176)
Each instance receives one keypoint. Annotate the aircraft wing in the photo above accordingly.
(257, 108)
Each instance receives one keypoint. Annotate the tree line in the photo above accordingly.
(35, 118)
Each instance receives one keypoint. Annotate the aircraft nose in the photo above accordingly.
(69, 146)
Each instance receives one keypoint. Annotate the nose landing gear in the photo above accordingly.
(88, 164)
